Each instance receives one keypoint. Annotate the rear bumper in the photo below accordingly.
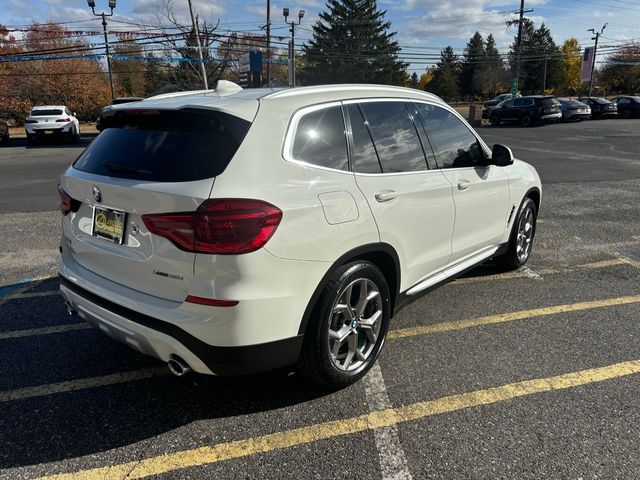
(45, 132)
(551, 116)
(161, 339)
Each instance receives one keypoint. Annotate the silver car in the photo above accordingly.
(573, 110)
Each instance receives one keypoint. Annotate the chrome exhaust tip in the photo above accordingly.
(177, 366)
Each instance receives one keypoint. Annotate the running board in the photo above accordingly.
(452, 270)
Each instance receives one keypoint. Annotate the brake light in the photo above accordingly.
(219, 226)
(64, 120)
(67, 204)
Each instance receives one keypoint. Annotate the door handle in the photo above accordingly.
(386, 195)
(463, 184)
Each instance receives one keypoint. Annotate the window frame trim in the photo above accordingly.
(292, 128)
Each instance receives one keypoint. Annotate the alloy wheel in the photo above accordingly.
(524, 237)
(354, 326)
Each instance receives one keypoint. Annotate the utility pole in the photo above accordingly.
(203, 70)
(520, 22)
(269, 43)
(112, 5)
(595, 52)
(292, 44)
(544, 78)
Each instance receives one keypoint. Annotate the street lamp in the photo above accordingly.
(595, 52)
(112, 5)
(292, 45)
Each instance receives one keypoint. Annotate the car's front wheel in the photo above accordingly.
(522, 235)
(525, 120)
(348, 326)
(494, 120)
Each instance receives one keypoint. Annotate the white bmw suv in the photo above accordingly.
(233, 231)
(51, 121)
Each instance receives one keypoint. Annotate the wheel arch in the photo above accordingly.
(382, 255)
(534, 194)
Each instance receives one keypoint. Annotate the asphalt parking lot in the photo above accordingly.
(521, 375)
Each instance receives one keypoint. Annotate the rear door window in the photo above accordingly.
(364, 156)
(164, 145)
(395, 137)
(320, 139)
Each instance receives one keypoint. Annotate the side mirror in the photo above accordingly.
(501, 155)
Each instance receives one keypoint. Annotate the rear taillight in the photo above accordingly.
(67, 204)
(30, 121)
(219, 226)
(63, 120)
(211, 302)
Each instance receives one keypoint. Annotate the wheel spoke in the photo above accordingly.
(362, 297)
(353, 346)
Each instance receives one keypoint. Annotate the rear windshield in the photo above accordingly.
(163, 145)
(46, 113)
(550, 102)
(602, 101)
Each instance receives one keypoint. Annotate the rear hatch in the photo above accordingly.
(145, 161)
(550, 105)
(47, 119)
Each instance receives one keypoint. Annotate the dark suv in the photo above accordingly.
(628, 106)
(527, 110)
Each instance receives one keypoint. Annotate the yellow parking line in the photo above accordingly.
(44, 331)
(81, 384)
(370, 421)
(509, 317)
(545, 271)
(627, 260)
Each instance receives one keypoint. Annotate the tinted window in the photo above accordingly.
(395, 137)
(549, 102)
(365, 158)
(46, 113)
(320, 139)
(520, 102)
(453, 143)
(164, 146)
(507, 103)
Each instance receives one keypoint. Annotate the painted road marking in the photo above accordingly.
(48, 293)
(371, 421)
(72, 385)
(393, 461)
(509, 317)
(626, 258)
(544, 271)
(81, 384)
(8, 292)
(45, 330)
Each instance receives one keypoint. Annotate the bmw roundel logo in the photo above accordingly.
(97, 195)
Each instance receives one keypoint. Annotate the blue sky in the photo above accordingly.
(422, 25)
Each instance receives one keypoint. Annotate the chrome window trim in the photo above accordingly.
(287, 149)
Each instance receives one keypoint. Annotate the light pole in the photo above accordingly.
(203, 70)
(112, 5)
(595, 51)
(292, 44)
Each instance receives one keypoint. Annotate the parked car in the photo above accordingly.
(527, 110)
(243, 230)
(51, 121)
(600, 107)
(628, 106)
(573, 110)
(495, 101)
(4, 130)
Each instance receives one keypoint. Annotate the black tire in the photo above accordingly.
(525, 121)
(512, 259)
(494, 120)
(316, 359)
(31, 140)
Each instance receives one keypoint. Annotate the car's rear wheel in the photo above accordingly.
(494, 120)
(525, 121)
(348, 326)
(522, 235)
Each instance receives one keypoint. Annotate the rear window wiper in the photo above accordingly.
(124, 168)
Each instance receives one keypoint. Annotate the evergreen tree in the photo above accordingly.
(414, 80)
(472, 60)
(538, 47)
(352, 44)
(492, 77)
(445, 78)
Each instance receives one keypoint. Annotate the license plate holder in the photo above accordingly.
(109, 224)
